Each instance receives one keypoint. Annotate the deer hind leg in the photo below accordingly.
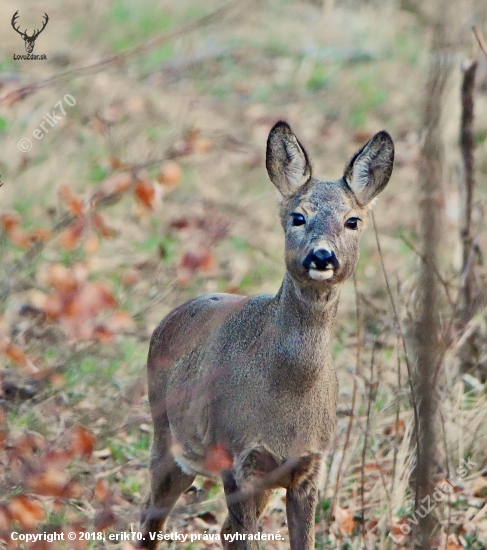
(168, 482)
(261, 499)
(247, 491)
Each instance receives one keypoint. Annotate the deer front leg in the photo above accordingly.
(300, 509)
(301, 501)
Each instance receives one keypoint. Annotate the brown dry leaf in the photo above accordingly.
(130, 277)
(117, 164)
(71, 235)
(4, 519)
(102, 491)
(102, 229)
(99, 125)
(479, 487)
(73, 203)
(144, 191)
(39, 234)
(102, 334)
(30, 443)
(119, 321)
(52, 482)
(15, 353)
(202, 259)
(58, 276)
(181, 223)
(202, 145)
(345, 520)
(218, 459)
(90, 299)
(82, 442)
(170, 175)
(55, 305)
(56, 459)
(398, 430)
(91, 244)
(116, 184)
(27, 511)
(104, 519)
(9, 221)
(19, 238)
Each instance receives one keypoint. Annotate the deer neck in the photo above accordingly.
(308, 306)
(302, 326)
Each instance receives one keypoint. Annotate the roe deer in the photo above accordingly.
(244, 387)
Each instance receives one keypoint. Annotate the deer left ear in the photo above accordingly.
(369, 170)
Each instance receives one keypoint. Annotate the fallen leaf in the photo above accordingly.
(102, 334)
(102, 491)
(101, 228)
(71, 235)
(9, 221)
(170, 175)
(52, 482)
(82, 441)
(345, 520)
(104, 519)
(479, 487)
(73, 203)
(144, 191)
(202, 259)
(27, 511)
(58, 276)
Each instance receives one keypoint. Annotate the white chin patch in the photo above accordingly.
(321, 275)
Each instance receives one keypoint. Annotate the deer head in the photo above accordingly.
(29, 40)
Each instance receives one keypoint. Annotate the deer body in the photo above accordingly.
(244, 388)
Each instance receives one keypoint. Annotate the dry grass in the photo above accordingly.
(215, 92)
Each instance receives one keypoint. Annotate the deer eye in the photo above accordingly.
(298, 219)
(352, 223)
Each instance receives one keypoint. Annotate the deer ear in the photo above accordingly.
(369, 170)
(286, 160)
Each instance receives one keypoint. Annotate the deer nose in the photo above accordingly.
(321, 259)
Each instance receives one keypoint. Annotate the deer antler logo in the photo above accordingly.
(29, 40)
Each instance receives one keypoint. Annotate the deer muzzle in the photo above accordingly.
(321, 264)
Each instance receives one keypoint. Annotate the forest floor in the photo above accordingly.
(149, 189)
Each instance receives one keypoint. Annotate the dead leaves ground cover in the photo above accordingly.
(151, 190)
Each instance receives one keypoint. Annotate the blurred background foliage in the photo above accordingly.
(152, 188)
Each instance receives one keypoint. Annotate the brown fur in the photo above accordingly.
(248, 384)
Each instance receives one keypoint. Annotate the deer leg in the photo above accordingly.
(261, 499)
(242, 517)
(167, 482)
(301, 504)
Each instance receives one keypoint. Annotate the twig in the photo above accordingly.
(354, 394)
(403, 339)
(480, 39)
(24, 91)
(467, 145)
(444, 283)
(398, 410)
(371, 399)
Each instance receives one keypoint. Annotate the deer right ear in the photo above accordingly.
(286, 160)
(369, 170)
